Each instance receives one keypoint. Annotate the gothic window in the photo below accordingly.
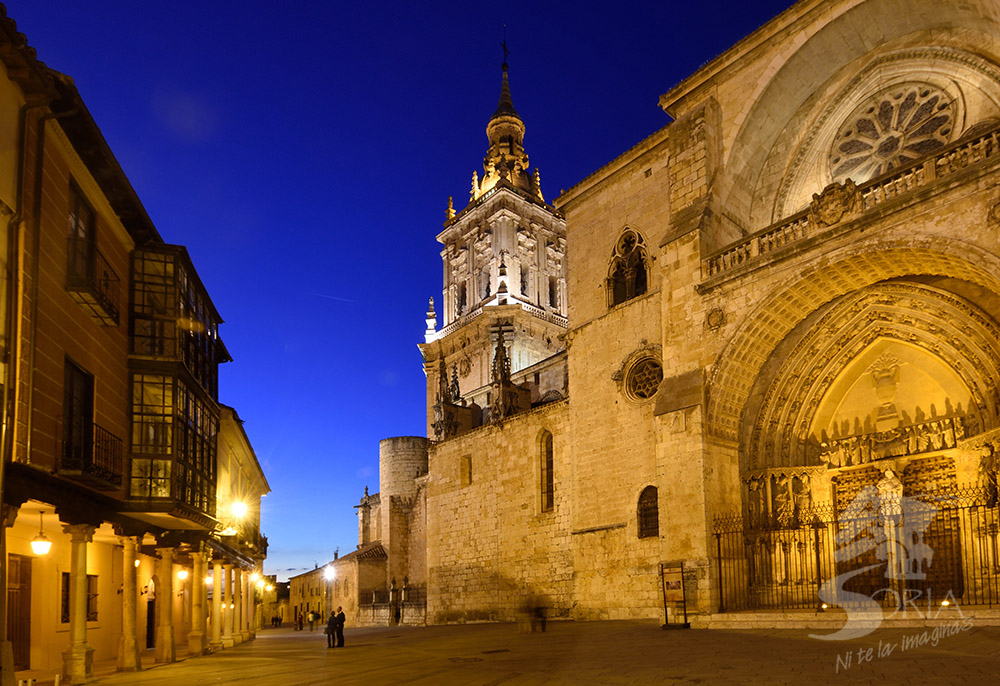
(648, 513)
(553, 292)
(465, 470)
(524, 281)
(892, 129)
(547, 480)
(460, 300)
(643, 378)
(627, 275)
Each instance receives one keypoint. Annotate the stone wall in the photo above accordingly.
(490, 548)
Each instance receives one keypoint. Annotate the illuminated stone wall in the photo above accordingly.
(491, 550)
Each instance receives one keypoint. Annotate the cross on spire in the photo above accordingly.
(503, 45)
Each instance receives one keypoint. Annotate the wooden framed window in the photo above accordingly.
(64, 603)
(82, 227)
(78, 416)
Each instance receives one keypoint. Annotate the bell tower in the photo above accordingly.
(504, 258)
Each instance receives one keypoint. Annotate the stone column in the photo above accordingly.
(166, 650)
(237, 604)
(9, 514)
(216, 643)
(196, 638)
(244, 606)
(227, 615)
(78, 660)
(128, 648)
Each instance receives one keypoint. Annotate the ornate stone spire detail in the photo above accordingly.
(444, 393)
(431, 318)
(501, 362)
(456, 392)
(506, 162)
(449, 213)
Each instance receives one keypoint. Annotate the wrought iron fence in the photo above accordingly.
(940, 546)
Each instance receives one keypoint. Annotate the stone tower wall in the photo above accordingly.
(401, 459)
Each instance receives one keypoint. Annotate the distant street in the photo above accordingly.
(585, 653)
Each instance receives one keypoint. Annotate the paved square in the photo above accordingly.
(587, 653)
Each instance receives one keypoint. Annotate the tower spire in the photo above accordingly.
(506, 162)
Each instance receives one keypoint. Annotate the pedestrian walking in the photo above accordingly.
(299, 622)
(339, 626)
(311, 618)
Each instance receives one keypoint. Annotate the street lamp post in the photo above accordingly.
(328, 574)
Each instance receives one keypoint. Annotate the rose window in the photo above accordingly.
(891, 130)
(644, 378)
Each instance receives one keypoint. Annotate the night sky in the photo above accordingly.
(304, 153)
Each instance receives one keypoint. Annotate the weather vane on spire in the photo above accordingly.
(504, 45)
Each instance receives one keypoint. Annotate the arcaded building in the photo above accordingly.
(124, 481)
(770, 323)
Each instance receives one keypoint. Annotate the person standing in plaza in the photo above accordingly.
(311, 618)
(339, 625)
(331, 630)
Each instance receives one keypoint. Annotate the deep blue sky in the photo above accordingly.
(304, 153)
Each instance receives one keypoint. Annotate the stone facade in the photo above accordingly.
(785, 298)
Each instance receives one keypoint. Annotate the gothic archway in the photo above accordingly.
(890, 370)
(742, 360)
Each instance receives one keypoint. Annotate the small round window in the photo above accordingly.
(643, 379)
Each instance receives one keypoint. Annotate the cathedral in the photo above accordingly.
(682, 388)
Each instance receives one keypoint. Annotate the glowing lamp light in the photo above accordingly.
(208, 581)
(136, 563)
(329, 573)
(40, 544)
(238, 509)
(228, 531)
(254, 576)
(270, 587)
(945, 603)
(182, 574)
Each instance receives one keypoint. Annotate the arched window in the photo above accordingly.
(547, 481)
(648, 513)
(627, 274)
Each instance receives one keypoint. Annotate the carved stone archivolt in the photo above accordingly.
(946, 328)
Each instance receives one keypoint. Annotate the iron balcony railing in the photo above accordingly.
(92, 282)
(99, 464)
